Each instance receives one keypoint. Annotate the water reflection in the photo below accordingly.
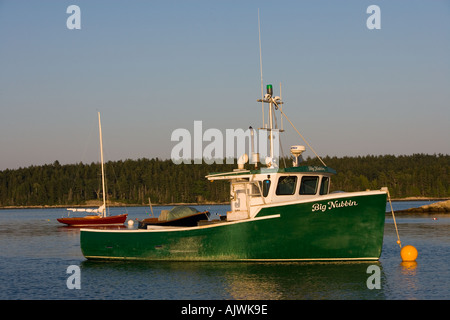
(250, 281)
(342, 280)
(409, 267)
(35, 251)
(408, 271)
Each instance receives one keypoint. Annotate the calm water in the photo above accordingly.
(35, 251)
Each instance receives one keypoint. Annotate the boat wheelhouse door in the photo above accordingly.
(240, 193)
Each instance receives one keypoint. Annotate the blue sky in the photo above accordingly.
(151, 67)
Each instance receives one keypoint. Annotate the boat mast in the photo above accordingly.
(103, 171)
(270, 92)
(274, 102)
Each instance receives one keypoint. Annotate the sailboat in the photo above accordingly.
(277, 214)
(100, 218)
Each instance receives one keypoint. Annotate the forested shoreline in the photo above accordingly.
(135, 181)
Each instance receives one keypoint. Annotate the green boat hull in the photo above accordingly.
(337, 227)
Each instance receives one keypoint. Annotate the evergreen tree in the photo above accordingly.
(134, 181)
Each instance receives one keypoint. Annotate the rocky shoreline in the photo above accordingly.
(437, 207)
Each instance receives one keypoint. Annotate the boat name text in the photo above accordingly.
(333, 204)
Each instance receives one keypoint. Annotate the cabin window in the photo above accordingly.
(309, 185)
(325, 185)
(286, 185)
(266, 187)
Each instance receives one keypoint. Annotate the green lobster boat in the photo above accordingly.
(277, 214)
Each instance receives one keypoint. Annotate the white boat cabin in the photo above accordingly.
(251, 189)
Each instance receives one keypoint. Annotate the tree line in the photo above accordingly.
(135, 181)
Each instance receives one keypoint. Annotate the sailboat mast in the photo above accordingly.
(103, 170)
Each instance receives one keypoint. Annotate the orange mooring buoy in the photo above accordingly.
(409, 253)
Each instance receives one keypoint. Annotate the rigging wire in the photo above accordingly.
(312, 149)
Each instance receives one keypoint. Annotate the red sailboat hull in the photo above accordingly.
(94, 220)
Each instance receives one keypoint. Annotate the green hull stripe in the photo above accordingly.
(249, 260)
